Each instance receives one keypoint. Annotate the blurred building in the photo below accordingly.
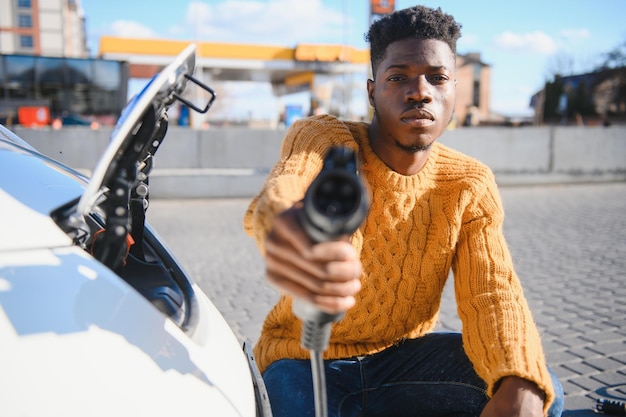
(472, 90)
(61, 87)
(45, 69)
(597, 97)
(43, 27)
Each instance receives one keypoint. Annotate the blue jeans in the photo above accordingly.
(428, 376)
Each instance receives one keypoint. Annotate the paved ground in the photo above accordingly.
(568, 242)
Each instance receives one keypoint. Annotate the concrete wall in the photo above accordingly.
(234, 162)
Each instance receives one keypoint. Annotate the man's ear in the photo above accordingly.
(370, 92)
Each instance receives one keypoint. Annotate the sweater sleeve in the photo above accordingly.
(499, 333)
(301, 158)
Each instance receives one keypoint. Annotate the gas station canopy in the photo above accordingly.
(287, 69)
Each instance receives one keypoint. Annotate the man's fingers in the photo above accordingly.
(329, 304)
(284, 255)
(333, 279)
(288, 231)
(327, 261)
(344, 271)
(340, 250)
(327, 274)
(334, 305)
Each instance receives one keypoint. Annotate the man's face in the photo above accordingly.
(413, 92)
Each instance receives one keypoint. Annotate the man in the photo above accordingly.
(433, 209)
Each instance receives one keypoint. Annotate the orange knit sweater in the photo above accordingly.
(447, 216)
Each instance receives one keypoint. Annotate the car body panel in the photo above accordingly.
(78, 337)
(68, 346)
(31, 186)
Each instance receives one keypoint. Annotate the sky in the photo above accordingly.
(524, 42)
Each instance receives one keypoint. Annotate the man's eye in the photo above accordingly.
(437, 78)
(395, 78)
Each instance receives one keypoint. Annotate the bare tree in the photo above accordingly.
(614, 58)
(560, 64)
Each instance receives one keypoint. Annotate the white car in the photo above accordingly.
(96, 315)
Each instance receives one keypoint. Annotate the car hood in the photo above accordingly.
(77, 340)
(31, 187)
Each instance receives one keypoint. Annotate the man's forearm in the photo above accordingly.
(516, 396)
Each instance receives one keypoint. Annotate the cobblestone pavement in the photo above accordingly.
(568, 243)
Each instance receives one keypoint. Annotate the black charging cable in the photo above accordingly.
(335, 205)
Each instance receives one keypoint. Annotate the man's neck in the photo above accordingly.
(396, 158)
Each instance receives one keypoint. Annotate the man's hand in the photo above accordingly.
(515, 397)
(325, 274)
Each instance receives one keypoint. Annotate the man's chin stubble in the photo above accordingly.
(413, 149)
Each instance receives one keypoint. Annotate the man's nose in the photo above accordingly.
(419, 90)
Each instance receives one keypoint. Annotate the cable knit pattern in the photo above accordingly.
(449, 215)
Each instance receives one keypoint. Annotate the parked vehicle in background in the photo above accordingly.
(73, 119)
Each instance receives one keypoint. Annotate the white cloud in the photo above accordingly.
(130, 29)
(468, 42)
(531, 42)
(283, 22)
(574, 35)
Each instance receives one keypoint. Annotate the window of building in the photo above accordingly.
(106, 75)
(19, 69)
(84, 86)
(26, 41)
(19, 76)
(79, 72)
(79, 76)
(25, 21)
(476, 91)
(106, 82)
(49, 82)
(50, 71)
(24, 4)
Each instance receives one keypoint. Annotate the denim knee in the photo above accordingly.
(556, 409)
(290, 387)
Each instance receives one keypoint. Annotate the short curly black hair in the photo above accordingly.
(418, 22)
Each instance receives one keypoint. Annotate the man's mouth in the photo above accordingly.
(418, 117)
